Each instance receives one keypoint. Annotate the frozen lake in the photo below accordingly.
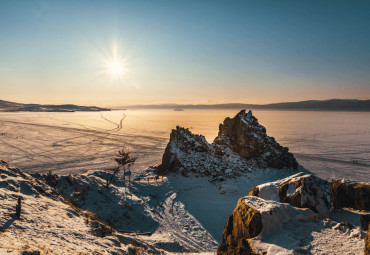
(326, 143)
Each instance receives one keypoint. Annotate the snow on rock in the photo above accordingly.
(256, 217)
(244, 223)
(246, 137)
(259, 226)
(188, 153)
(299, 190)
(350, 194)
(242, 143)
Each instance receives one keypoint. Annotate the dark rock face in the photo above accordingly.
(245, 136)
(367, 243)
(350, 194)
(365, 221)
(244, 223)
(31, 252)
(254, 216)
(242, 143)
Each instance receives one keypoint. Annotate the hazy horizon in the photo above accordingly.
(181, 104)
(114, 53)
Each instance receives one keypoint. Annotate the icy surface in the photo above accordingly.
(75, 142)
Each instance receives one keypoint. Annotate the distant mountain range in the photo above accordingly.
(310, 105)
(6, 106)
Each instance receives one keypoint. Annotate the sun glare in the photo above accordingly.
(115, 68)
(115, 64)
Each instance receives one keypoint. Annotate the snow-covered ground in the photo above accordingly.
(183, 214)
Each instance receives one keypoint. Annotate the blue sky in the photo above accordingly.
(184, 51)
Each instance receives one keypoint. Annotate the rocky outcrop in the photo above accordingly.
(188, 153)
(242, 143)
(246, 137)
(244, 223)
(299, 190)
(350, 194)
(254, 216)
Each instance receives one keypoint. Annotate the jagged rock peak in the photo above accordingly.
(187, 152)
(242, 143)
(246, 137)
(188, 141)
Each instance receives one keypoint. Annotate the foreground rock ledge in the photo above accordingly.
(241, 144)
(350, 194)
(300, 190)
(254, 216)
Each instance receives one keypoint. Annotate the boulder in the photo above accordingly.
(246, 137)
(299, 190)
(245, 222)
(242, 144)
(256, 217)
(348, 194)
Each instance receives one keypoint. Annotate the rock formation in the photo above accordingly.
(187, 153)
(350, 194)
(254, 216)
(299, 190)
(244, 223)
(246, 137)
(242, 143)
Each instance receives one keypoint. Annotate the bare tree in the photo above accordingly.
(124, 161)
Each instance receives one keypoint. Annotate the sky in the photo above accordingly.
(112, 53)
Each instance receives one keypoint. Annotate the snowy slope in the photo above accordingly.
(73, 214)
(290, 230)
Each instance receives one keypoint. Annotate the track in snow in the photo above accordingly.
(184, 228)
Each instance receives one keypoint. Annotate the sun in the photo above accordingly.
(115, 65)
(115, 68)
